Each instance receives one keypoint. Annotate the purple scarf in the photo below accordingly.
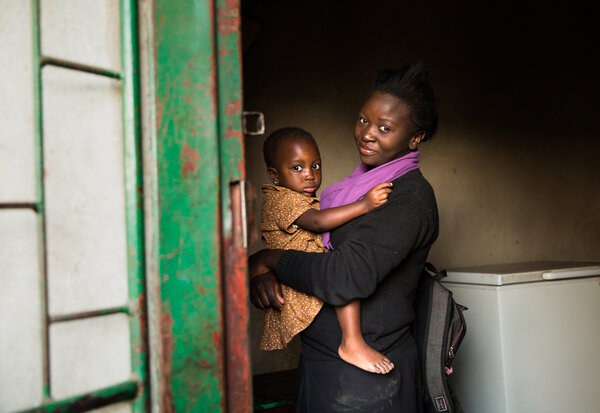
(355, 186)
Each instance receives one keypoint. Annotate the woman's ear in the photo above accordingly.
(415, 140)
(273, 175)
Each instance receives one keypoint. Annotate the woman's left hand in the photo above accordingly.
(265, 292)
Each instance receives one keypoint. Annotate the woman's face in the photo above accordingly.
(384, 131)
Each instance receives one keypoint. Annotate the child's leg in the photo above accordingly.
(354, 349)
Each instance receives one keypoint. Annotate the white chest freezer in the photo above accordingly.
(533, 337)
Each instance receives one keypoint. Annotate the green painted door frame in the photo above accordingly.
(194, 73)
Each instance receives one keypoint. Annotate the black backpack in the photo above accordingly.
(438, 329)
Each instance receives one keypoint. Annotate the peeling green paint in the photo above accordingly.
(191, 329)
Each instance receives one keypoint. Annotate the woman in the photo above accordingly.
(377, 258)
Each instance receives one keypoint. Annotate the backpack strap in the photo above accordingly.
(435, 274)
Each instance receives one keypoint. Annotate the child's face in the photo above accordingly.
(298, 166)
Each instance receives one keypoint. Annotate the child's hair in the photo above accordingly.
(412, 85)
(277, 137)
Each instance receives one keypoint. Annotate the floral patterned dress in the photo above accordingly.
(280, 208)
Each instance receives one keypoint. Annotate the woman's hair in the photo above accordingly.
(412, 85)
(277, 137)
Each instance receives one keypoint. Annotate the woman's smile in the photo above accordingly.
(365, 150)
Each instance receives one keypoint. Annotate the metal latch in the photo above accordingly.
(253, 123)
(243, 220)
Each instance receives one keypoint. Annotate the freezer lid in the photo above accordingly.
(520, 272)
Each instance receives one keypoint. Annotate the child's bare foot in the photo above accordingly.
(360, 354)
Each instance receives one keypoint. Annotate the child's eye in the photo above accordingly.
(316, 166)
(362, 120)
(296, 168)
(384, 128)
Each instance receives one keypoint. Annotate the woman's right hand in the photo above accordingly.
(378, 195)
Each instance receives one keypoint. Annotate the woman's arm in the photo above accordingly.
(263, 261)
(330, 218)
(265, 290)
(371, 248)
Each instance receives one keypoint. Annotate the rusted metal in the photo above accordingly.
(239, 215)
(202, 311)
(233, 206)
(66, 64)
(91, 400)
(191, 336)
(253, 123)
(239, 383)
(89, 314)
(19, 205)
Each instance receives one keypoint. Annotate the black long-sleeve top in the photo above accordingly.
(378, 258)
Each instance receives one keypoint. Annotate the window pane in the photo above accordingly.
(85, 201)
(85, 31)
(90, 354)
(21, 318)
(17, 140)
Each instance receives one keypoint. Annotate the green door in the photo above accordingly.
(199, 297)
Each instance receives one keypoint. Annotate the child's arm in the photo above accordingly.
(330, 218)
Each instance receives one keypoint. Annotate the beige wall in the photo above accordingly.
(515, 162)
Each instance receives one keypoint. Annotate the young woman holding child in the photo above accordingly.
(376, 257)
(291, 219)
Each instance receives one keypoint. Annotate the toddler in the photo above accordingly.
(291, 219)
